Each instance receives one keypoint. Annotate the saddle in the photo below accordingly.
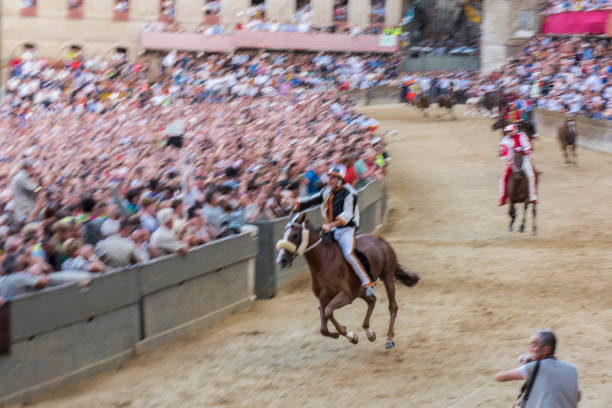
(364, 261)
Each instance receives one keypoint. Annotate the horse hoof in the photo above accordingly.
(389, 344)
(522, 230)
(352, 337)
(371, 335)
(509, 229)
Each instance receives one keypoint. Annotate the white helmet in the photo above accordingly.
(338, 170)
(511, 128)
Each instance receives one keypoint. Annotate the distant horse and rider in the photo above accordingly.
(567, 133)
(446, 101)
(519, 183)
(342, 267)
(422, 102)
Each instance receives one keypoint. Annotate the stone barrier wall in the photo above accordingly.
(594, 134)
(63, 334)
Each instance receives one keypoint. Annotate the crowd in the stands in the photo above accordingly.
(106, 163)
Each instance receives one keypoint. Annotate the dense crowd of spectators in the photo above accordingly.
(562, 6)
(558, 74)
(101, 167)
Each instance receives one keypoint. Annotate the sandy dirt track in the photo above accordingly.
(483, 291)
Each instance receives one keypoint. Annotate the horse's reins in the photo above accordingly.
(291, 247)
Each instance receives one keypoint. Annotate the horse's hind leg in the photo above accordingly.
(512, 213)
(574, 155)
(524, 216)
(389, 280)
(371, 301)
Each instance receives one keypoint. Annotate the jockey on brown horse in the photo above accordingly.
(337, 282)
(513, 141)
(341, 211)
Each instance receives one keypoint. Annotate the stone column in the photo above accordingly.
(189, 13)
(98, 9)
(359, 12)
(393, 12)
(281, 11)
(52, 8)
(322, 12)
(144, 10)
(234, 11)
(496, 31)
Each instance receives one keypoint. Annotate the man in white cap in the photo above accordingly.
(340, 209)
(164, 239)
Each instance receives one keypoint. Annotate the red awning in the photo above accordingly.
(577, 22)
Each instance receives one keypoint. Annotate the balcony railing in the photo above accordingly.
(151, 40)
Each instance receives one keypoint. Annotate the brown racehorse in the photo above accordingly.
(517, 191)
(447, 100)
(421, 101)
(568, 138)
(333, 279)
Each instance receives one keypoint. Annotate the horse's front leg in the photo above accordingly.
(371, 301)
(565, 148)
(340, 300)
(324, 330)
(512, 213)
(524, 216)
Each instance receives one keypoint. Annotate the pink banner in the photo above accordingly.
(577, 22)
(263, 40)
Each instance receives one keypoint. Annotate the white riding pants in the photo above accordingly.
(528, 169)
(346, 238)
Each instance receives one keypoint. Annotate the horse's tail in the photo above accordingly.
(407, 278)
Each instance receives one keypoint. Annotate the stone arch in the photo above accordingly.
(67, 46)
(20, 48)
(129, 52)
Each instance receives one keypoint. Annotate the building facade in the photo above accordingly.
(99, 27)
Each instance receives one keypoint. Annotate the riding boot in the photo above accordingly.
(532, 189)
(503, 183)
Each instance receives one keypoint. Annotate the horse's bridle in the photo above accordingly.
(291, 247)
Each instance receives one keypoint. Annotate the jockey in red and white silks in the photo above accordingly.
(513, 141)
